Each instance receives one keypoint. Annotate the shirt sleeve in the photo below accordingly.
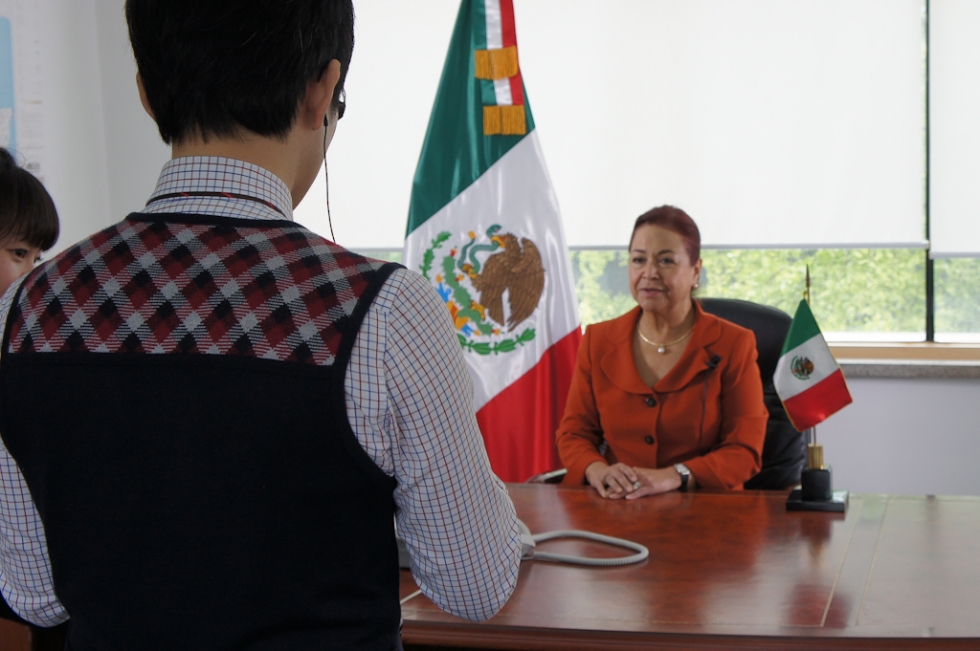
(410, 402)
(25, 570)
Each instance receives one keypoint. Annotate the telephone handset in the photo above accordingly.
(530, 541)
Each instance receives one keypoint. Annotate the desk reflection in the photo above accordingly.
(736, 571)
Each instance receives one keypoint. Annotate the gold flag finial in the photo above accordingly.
(806, 292)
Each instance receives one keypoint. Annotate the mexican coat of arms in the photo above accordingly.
(490, 286)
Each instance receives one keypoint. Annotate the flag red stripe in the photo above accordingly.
(519, 423)
(517, 90)
(508, 27)
(817, 403)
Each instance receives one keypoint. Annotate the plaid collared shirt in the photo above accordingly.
(409, 402)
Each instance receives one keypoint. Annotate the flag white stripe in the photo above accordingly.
(814, 349)
(529, 208)
(495, 25)
(495, 41)
(502, 88)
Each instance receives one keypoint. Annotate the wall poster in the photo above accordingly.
(20, 83)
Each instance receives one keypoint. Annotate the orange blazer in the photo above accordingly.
(711, 419)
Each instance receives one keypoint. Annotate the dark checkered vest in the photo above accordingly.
(173, 391)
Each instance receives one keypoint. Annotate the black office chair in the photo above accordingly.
(784, 451)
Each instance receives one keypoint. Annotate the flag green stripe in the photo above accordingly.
(455, 152)
(477, 22)
(804, 327)
(487, 93)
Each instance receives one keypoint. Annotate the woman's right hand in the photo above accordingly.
(612, 482)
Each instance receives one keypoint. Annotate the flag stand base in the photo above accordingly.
(815, 494)
(836, 504)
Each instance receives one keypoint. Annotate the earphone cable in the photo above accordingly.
(326, 182)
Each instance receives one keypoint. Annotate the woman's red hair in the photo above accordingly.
(677, 221)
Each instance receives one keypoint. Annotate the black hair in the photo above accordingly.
(27, 212)
(213, 67)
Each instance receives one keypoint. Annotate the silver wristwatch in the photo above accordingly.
(685, 473)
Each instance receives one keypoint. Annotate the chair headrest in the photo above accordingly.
(770, 325)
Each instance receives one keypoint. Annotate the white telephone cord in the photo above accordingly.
(530, 553)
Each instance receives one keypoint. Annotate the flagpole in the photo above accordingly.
(806, 292)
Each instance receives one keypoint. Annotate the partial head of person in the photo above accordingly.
(28, 220)
(665, 259)
(244, 73)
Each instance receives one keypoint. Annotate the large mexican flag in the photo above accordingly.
(807, 378)
(485, 230)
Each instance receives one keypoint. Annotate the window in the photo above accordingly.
(889, 284)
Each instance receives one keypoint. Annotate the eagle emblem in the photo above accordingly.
(491, 285)
(801, 367)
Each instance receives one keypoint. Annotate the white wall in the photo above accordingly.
(135, 152)
(915, 437)
(101, 152)
(373, 156)
(73, 162)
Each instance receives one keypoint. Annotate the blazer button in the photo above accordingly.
(651, 401)
(648, 439)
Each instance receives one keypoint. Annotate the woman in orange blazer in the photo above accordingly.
(666, 396)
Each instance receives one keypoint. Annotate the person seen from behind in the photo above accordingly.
(244, 406)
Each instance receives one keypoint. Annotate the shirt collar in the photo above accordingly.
(268, 196)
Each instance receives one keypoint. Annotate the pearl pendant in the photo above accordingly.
(661, 350)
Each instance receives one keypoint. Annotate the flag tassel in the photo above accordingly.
(504, 121)
(499, 63)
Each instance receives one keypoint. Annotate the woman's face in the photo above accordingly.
(661, 272)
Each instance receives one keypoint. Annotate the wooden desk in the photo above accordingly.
(736, 571)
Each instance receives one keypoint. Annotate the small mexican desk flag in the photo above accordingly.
(485, 230)
(807, 378)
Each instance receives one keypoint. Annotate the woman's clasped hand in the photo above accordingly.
(620, 481)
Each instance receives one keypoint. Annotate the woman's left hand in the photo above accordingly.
(656, 480)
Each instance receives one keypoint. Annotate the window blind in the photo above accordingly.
(772, 123)
(954, 116)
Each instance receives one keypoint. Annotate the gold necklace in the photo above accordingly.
(662, 348)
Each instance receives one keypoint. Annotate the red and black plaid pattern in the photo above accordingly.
(274, 292)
